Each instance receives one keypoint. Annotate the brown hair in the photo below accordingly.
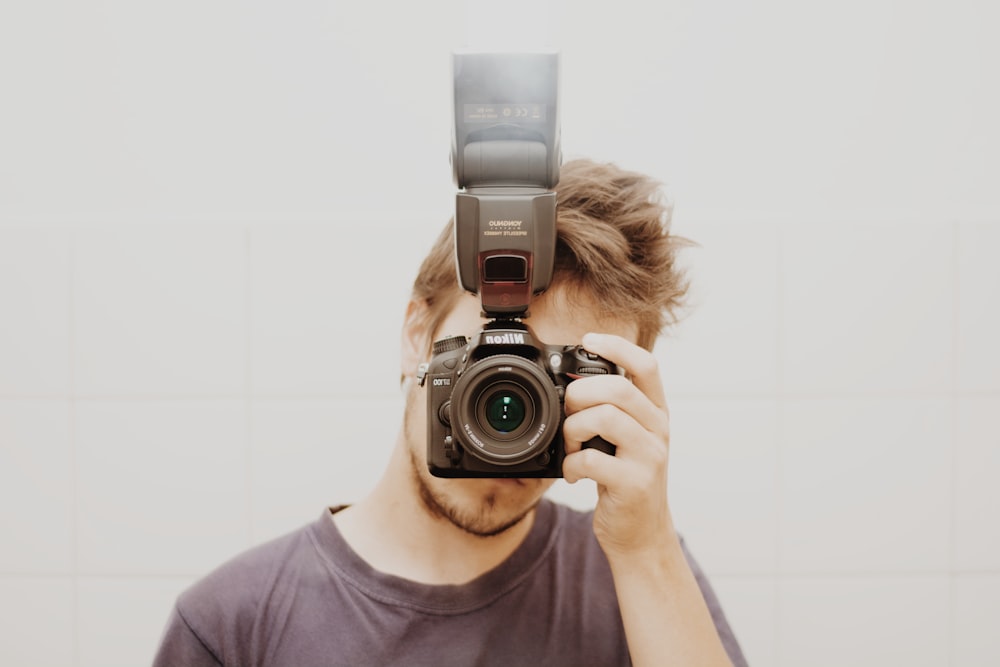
(612, 240)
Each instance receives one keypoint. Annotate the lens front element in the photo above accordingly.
(504, 411)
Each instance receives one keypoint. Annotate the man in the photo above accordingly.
(434, 571)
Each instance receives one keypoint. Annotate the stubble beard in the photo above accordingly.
(480, 520)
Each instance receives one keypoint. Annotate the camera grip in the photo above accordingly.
(600, 444)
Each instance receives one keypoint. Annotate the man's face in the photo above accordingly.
(489, 506)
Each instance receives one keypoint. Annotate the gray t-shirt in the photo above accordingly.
(308, 599)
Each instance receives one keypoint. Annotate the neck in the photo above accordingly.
(396, 533)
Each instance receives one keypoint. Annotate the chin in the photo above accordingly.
(514, 490)
(483, 507)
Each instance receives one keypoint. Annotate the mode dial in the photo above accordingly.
(449, 344)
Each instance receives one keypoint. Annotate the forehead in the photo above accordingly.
(559, 316)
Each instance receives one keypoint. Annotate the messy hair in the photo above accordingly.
(613, 242)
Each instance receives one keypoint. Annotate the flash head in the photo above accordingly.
(495, 402)
(506, 157)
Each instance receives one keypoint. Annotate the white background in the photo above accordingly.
(211, 213)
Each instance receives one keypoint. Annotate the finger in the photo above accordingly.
(616, 475)
(595, 465)
(610, 423)
(640, 364)
(615, 390)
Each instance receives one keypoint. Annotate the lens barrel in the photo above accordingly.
(505, 410)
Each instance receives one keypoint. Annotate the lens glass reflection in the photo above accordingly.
(504, 411)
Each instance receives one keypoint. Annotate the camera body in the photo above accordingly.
(495, 403)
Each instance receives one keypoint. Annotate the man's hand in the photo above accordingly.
(664, 613)
(632, 517)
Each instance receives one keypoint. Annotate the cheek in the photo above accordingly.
(415, 421)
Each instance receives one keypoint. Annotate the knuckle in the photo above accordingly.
(663, 426)
(606, 415)
(583, 462)
(595, 458)
(659, 457)
(619, 388)
(647, 364)
(571, 430)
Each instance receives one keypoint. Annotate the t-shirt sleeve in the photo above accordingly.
(726, 634)
(181, 646)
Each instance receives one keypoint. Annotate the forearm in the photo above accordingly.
(665, 616)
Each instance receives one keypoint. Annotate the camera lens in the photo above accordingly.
(501, 408)
(504, 411)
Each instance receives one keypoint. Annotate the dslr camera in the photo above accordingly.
(495, 402)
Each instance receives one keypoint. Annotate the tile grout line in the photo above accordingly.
(804, 575)
(74, 443)
(888, 395)
(248, 380)
(953, 459)
(779, 433)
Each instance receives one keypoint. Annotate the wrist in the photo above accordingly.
(661, 554)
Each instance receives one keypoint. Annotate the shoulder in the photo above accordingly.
(234, 582)
(222, 607)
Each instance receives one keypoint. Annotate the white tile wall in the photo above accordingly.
(976, 545)
(267, 113)
(38, 621)
(865, 485)
(730, 326)
(35, 297)
(751, 605)
(162, 486)
(309, 286)
(116, 618)
(976, 618)
(724, 487)
(978, 307)
(160, 312)
(832, 620)
(867, 308)
(308, 454)
(37, 476)
(205, 254)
